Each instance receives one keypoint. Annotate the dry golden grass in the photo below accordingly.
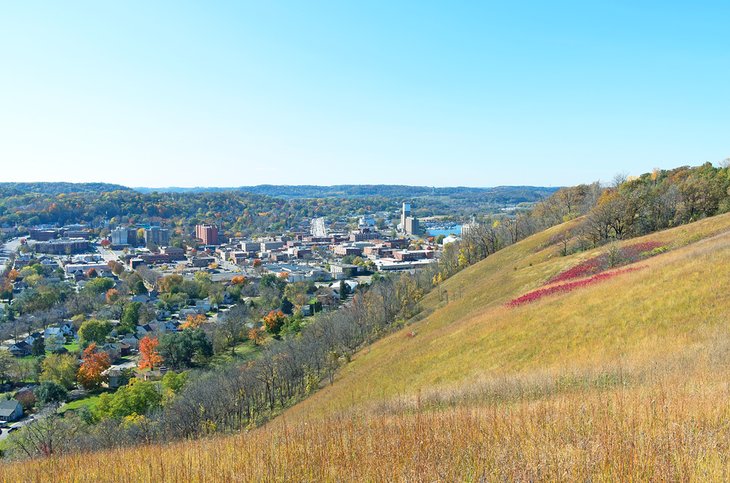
(668, 430)
(622, 380)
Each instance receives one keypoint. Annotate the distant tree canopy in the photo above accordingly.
(658, 200)
(244, 211)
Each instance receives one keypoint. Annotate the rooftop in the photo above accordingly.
(8, 406)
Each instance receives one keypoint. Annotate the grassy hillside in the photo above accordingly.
(625, 378)
(475, 335)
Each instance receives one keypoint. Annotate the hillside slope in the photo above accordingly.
(624, 378)
(671, 302)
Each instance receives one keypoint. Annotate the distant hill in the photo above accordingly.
(13, 189)
(498, 195)
(263, 209)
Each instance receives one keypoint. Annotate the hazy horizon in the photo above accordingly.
(222, 187)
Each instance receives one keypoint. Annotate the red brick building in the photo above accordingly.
(208, 234)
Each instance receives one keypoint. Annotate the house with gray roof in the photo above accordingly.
(10, 410)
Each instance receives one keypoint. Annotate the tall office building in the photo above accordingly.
(408, 223)
(412, 226)
(120, 236)
(318, 227)
(405, 213)
(208, 234)
(158, 236)
(123, 236)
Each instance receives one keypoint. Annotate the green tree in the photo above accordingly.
(7, 361)
(271, 280)
(94, 330)
(137, 397)
(50, 392)
(293, 325)
(202, 277)
(38, 299)
(274, 321)
(99, 285)
(38, 348)
(27, 370)
(286, 306)
(297, 293)
(139, 288)
(344, 290)
(130, 316)
(170, 283)
(181, 350)
(136, 284)
(174, 381)
(54, 342)
(60, 368)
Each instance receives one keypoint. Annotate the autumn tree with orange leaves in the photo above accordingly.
(93, 365)
(274, 321)
(112, 295)
(193, 321)
(256, 335)
(149, 358)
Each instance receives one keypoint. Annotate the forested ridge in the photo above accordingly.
(239, 211)
(630, 207)
(56, 188)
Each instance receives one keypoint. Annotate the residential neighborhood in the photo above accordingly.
(84, 294)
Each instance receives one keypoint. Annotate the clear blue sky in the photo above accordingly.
(427, 93)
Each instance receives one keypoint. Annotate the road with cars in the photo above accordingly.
(15, 426)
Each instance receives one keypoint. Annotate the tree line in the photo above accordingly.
(238, 395)
(629, 207)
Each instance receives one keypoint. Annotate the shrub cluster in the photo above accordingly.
(567, 287)
(622, 256)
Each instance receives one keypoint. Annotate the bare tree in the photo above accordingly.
(46, 436)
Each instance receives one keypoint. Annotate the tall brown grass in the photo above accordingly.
(668, 430)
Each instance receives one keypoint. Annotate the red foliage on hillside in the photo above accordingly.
(626, 255)
(589, 267)
(566, 287)
(638, 251)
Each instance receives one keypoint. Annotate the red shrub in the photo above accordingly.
(566, 287)
(589, 267)
(600, 263)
